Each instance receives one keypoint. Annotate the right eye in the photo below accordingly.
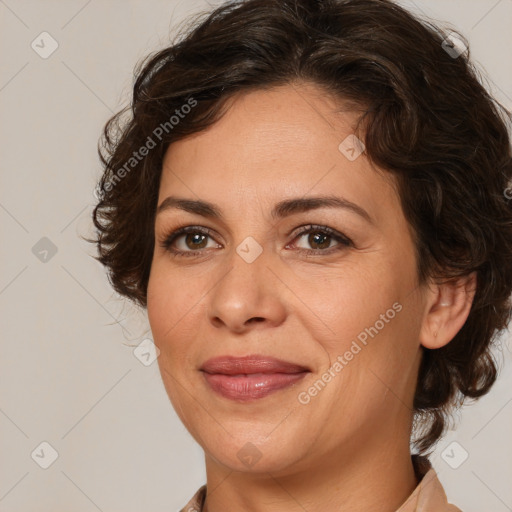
(193, 240)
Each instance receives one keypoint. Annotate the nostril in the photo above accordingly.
(256, 319)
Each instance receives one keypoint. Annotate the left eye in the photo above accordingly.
(319, 238)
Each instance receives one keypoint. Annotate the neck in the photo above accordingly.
(378, 478)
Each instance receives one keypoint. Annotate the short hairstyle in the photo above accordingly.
(428, 121)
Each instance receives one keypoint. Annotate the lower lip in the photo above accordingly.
(252, 386)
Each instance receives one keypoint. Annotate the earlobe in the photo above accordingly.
(447, 309)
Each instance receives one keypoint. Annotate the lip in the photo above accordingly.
(230, 365)
(251, 377)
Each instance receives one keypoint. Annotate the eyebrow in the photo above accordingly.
(280, 210)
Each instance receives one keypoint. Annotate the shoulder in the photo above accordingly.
(429, 495)
(195, 503)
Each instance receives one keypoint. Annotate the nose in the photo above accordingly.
(247, 296)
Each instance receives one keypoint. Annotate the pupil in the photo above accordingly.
(317, 238)
(196, 237)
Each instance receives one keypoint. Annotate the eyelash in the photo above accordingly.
(344, 241)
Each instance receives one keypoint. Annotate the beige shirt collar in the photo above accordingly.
(429, 495)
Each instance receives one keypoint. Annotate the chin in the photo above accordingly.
(252, 453)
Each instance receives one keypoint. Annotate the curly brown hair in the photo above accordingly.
(428, 120)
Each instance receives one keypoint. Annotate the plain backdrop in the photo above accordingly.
(69, 377)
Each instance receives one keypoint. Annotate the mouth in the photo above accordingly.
(251, 377)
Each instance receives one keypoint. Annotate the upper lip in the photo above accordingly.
(230, 365)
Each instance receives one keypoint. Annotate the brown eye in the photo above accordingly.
(320, 240)
(188, 241)
(195, 241)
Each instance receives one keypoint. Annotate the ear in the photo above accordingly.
(447, 309)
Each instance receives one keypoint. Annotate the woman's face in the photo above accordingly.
(342, 307)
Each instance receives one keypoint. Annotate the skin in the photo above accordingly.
(348, 448)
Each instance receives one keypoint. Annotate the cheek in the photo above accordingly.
(159, 303)
(167, 309)
(367, 323)
(171, 298)
(351, 300)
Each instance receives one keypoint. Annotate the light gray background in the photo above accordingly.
(68, 374)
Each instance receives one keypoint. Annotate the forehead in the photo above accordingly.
(283, 141)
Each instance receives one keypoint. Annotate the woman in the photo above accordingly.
(310, 198)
